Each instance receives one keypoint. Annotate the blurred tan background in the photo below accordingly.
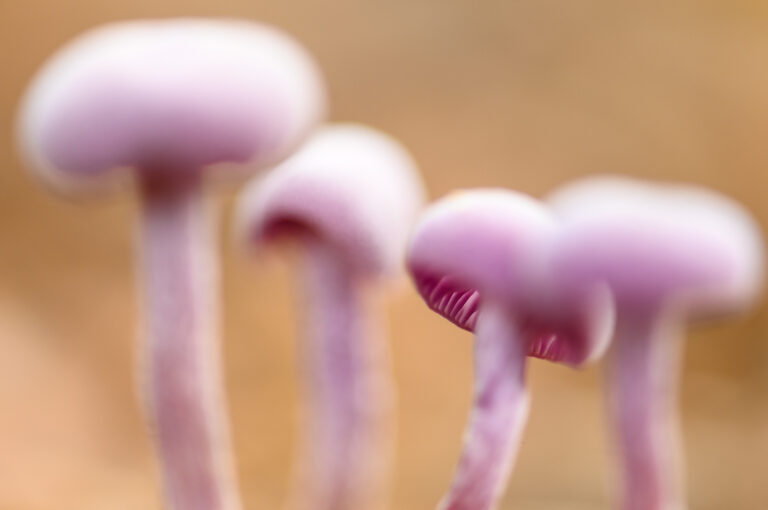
(523, 94)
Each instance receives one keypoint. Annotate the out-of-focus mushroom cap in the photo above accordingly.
(170, 96)
(655, 245)
(495, 244)
(349, 185)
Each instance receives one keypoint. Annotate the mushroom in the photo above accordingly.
(480, 259)
(348, 197)
(161, 102)
(667, 254)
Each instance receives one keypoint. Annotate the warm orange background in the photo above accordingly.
(524, 94)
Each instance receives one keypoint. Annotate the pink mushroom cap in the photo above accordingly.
(656, 245)
(351, 186)
(169, 96)
(496, 244)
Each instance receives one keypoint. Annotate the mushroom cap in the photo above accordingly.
(496, 244)
(659, 245)
(170, 98)
(349, 185)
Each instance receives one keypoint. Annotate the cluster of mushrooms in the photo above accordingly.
(173, 105)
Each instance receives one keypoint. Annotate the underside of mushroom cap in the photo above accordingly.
(350, 186)
(171, 96)
(654, 244)
(495, 244)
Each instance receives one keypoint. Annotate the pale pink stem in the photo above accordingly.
(348, 387)
(643, 396)
(184, 387)
(499, 413)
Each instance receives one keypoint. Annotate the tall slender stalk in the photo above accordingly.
(181, 352)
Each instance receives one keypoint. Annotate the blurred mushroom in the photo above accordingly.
(163, 101)
(349, 197)
(667, 254)
(480, 259)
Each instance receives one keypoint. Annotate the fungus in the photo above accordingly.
(667, 254)
(161, 102)
(348, 197)
(480, 259)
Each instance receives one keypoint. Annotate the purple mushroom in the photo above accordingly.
(161, 102)
(667, 254)
(349, 197)
(480, 259)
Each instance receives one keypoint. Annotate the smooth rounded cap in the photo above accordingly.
(492, 240)
(349, 185)
(169, 97)
(655, 245)
(495, 244)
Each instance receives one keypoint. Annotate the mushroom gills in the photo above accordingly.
(444, 295)
(461, 303)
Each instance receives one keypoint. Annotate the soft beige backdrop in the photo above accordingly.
(524, 94)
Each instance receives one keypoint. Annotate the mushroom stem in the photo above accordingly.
(500, 411)
(183, 383)
(643, 386)
(349, 389)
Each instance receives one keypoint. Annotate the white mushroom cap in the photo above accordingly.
(349, 185)
(657, 243)
(171, 96)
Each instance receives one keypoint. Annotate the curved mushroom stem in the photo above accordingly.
(183, 382)
(499, 414)
(643, 386)
(349, 389)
